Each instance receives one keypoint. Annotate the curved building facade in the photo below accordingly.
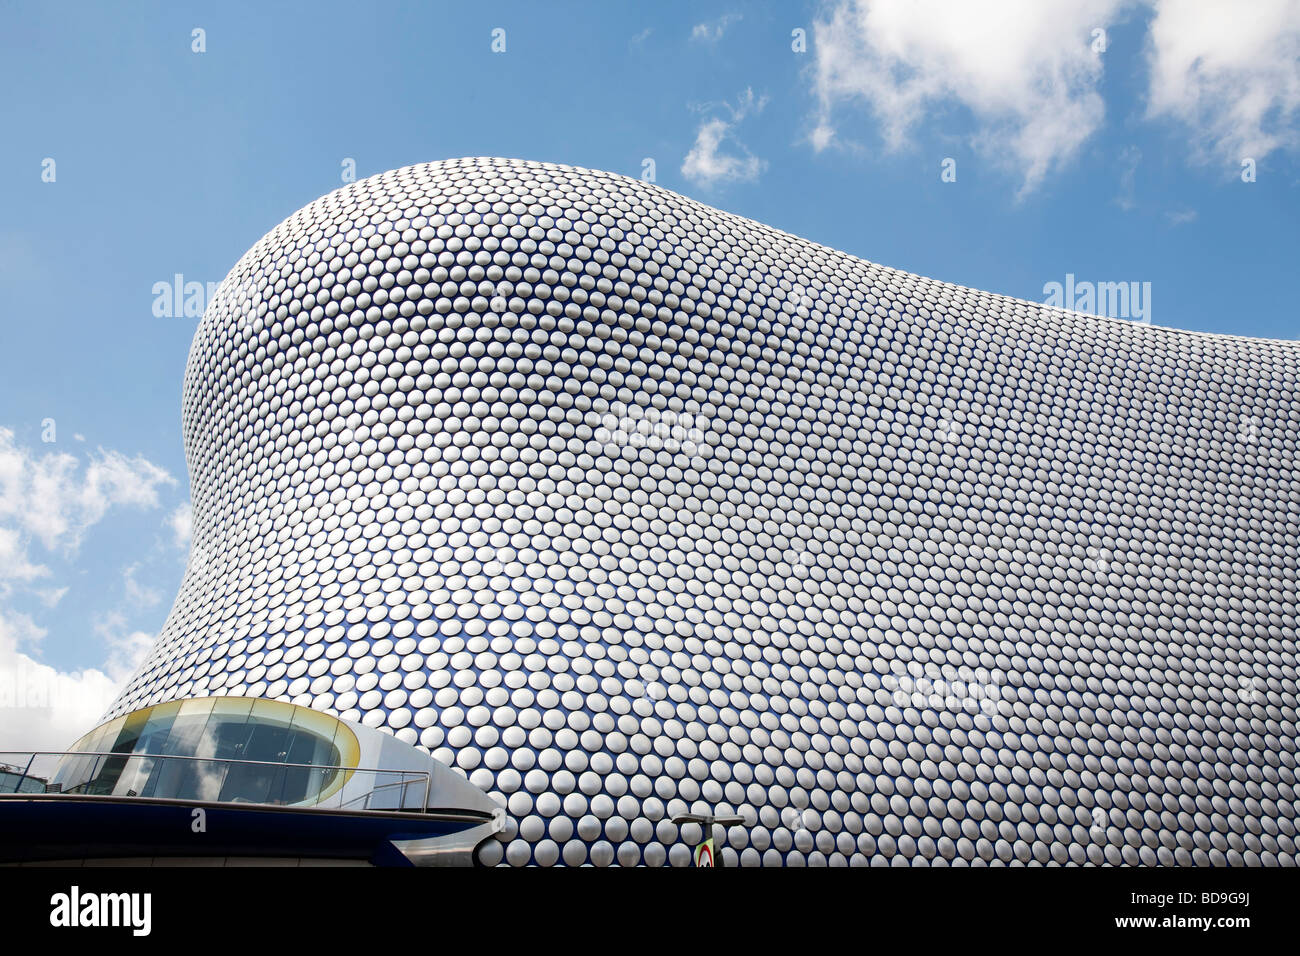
(628, 507)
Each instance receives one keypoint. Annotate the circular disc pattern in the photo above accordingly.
(627, 507)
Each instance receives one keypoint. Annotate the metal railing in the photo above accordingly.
(209, 779)
(383, 786)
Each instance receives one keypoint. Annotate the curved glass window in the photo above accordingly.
(222, 749)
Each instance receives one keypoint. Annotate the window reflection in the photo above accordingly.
(220, 733)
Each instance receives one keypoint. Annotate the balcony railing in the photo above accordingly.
(212, 780)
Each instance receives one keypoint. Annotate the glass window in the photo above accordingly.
(253, 782)
(306, 747)
(183, 778)
(221, 749)
(73, 773)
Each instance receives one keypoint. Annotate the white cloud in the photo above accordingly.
(709, 163)
(126, 652)
(1028, 73)
(50, 597)
(54, 498)
(51, 497)
(181, 521)
(42, 708)
(19, 630)
(1130, 157)
(711, 31)
(136, 593)
(1024, 69)
(14, 563)
(1230, 72)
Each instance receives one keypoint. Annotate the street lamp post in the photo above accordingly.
(706, 822)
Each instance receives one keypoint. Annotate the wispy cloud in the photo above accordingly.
(51, 597)
(717, 155)
(1229, 72)
(181, 522)
(1130, 158)
(55, 498)
(127, 649)
(15, 564)
(136, 593)
(711, 31)
(51, 499)
(1025, 70)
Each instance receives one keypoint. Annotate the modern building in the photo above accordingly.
(603, 507)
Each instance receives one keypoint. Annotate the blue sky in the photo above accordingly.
(1111, 157)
